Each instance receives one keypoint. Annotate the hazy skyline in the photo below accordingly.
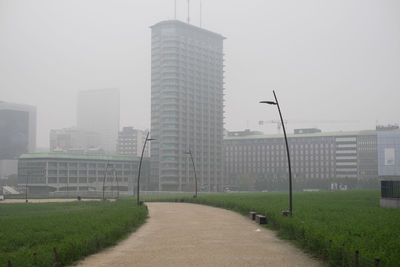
(337, 61)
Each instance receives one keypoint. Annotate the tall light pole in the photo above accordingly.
(287, 149)
(194, 169)
(26, 188)
(29, 174)
(116, 178)
(105, 175)
(140, 165)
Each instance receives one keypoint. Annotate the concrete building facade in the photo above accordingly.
(186, 106)
(51, 172)
(389, 154)
(74, 140)
(130, 142)
(318, 155)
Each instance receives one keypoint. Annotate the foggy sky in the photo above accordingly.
(327, 61)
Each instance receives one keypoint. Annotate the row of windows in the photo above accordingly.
(86, 165)
(243, 147)
(281, 161)
(72, 180)
(90, 172)
(278, 152)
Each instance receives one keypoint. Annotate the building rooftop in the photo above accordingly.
(17, 106)
(52, 155)
(186, 25)
(322, 134)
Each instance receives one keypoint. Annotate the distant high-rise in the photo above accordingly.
(98, 111)
(17, 130)
(74, 140)
(130, 142)
(186, 106)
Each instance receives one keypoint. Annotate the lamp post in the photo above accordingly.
(26, 188)
(29, 174)
(105, 175)
(194, 169)
(287, 149)
(116, 178)
(140, 165)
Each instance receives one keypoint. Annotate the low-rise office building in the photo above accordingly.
(50, 172)
(313, 156)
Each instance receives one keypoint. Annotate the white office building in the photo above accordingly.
(186, 106)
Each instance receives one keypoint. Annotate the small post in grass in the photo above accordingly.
(9, 263)
(356, 254)
(377, 262)
(35, 258)
(97, 243)
(55, 256)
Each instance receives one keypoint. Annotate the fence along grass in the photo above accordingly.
(30, 231)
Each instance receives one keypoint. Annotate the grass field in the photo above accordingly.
(353, 221)
(30, 231)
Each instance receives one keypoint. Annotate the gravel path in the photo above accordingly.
(181, 234)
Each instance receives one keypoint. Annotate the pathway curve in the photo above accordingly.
(182, 234)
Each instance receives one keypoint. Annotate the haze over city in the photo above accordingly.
(334, 66)
(153, 126)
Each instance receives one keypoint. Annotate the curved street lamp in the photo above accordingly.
(140, 165)
(26, 189)
(28, 174)
(116, 178)
(194, 169)
(105, 175)
(287, 148)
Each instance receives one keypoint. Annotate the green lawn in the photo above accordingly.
(353, 221)
(71, 227)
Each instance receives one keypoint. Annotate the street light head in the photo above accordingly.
(150, 139)
(268, 102)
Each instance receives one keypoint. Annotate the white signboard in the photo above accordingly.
(389, 156)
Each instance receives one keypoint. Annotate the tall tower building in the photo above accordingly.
(98, 111)
(17, 135)
(186, 106)
(17, 130)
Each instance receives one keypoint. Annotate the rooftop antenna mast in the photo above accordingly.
(188, 15)
(175, 9)
(200, 13)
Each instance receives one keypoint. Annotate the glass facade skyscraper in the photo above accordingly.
(17, 130)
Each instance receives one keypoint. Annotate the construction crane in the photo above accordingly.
(279, 123)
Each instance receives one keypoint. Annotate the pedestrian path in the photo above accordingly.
(182, 234)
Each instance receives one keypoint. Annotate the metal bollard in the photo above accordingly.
(252, 215)
(35, 258)
(55, 257)
(285, 213)
(356, 258)
(97, 243)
